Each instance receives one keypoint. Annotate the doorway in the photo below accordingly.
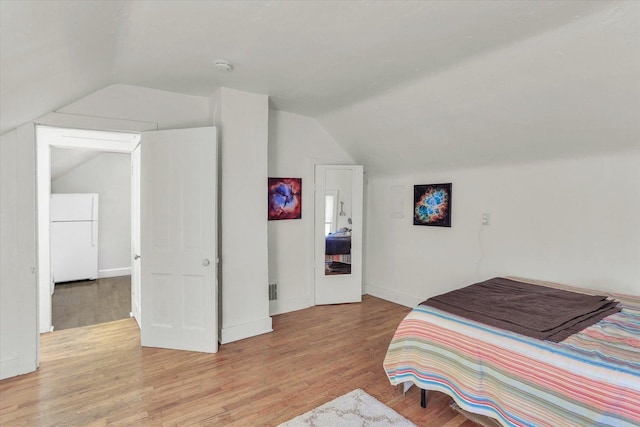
(174, 217)
(91, 143)
(90, 236)
(175, 188)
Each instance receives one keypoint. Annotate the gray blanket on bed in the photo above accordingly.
(531, 310)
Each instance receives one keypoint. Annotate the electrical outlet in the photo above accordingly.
(485, 219)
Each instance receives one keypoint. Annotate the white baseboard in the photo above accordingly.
(288, 305)
(114, 272)
(285, 306)
(13, 366)
(246, 330)
(8, 367)
(393, 296)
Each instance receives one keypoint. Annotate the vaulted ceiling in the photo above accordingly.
(401, 85)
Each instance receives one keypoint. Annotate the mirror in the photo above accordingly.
(338, 221)
(338, 203)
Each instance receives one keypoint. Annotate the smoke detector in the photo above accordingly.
(222, 65)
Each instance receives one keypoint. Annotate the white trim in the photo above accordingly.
(117, 142)
(114, 272)
(288, 305)
(43, 193)
(75, 121)
(47, 137)
(238, 332)
(393, 296)
(9, 367)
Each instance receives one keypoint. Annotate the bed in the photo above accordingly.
(590, 378)
(338, 252)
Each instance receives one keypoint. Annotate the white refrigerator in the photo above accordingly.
(74, 237)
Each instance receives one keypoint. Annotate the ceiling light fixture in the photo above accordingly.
(222, 65)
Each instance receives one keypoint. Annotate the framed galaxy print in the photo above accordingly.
(432, 205)
(285, 198)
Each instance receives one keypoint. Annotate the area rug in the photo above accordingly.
(355, 408)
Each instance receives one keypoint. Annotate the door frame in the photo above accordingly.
(47, 136)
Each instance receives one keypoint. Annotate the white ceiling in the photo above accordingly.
(401, 85)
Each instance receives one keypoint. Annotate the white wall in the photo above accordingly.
(109, 175)
(18, 315)
(296, 143)
(242, 120)
(570, 221)
(169, 110)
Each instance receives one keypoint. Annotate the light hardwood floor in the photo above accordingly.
(99, 375)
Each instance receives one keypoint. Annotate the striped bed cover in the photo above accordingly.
(590, 379)
(344, 258)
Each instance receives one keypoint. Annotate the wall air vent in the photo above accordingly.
(273, 291)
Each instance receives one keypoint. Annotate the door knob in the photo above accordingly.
(205, 262)
(136, 256)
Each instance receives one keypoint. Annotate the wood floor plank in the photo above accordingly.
(99, 374)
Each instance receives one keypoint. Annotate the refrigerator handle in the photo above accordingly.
(94, 223)
(94, 226)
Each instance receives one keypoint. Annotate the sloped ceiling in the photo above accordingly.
(401, 85)
(64, 160)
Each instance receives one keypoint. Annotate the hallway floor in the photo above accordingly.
(90, 302)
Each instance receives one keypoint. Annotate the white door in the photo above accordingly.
(136, 301)
(338, 233)
(178, 239)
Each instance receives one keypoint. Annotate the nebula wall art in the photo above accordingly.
(432, 205)
(285, 198)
